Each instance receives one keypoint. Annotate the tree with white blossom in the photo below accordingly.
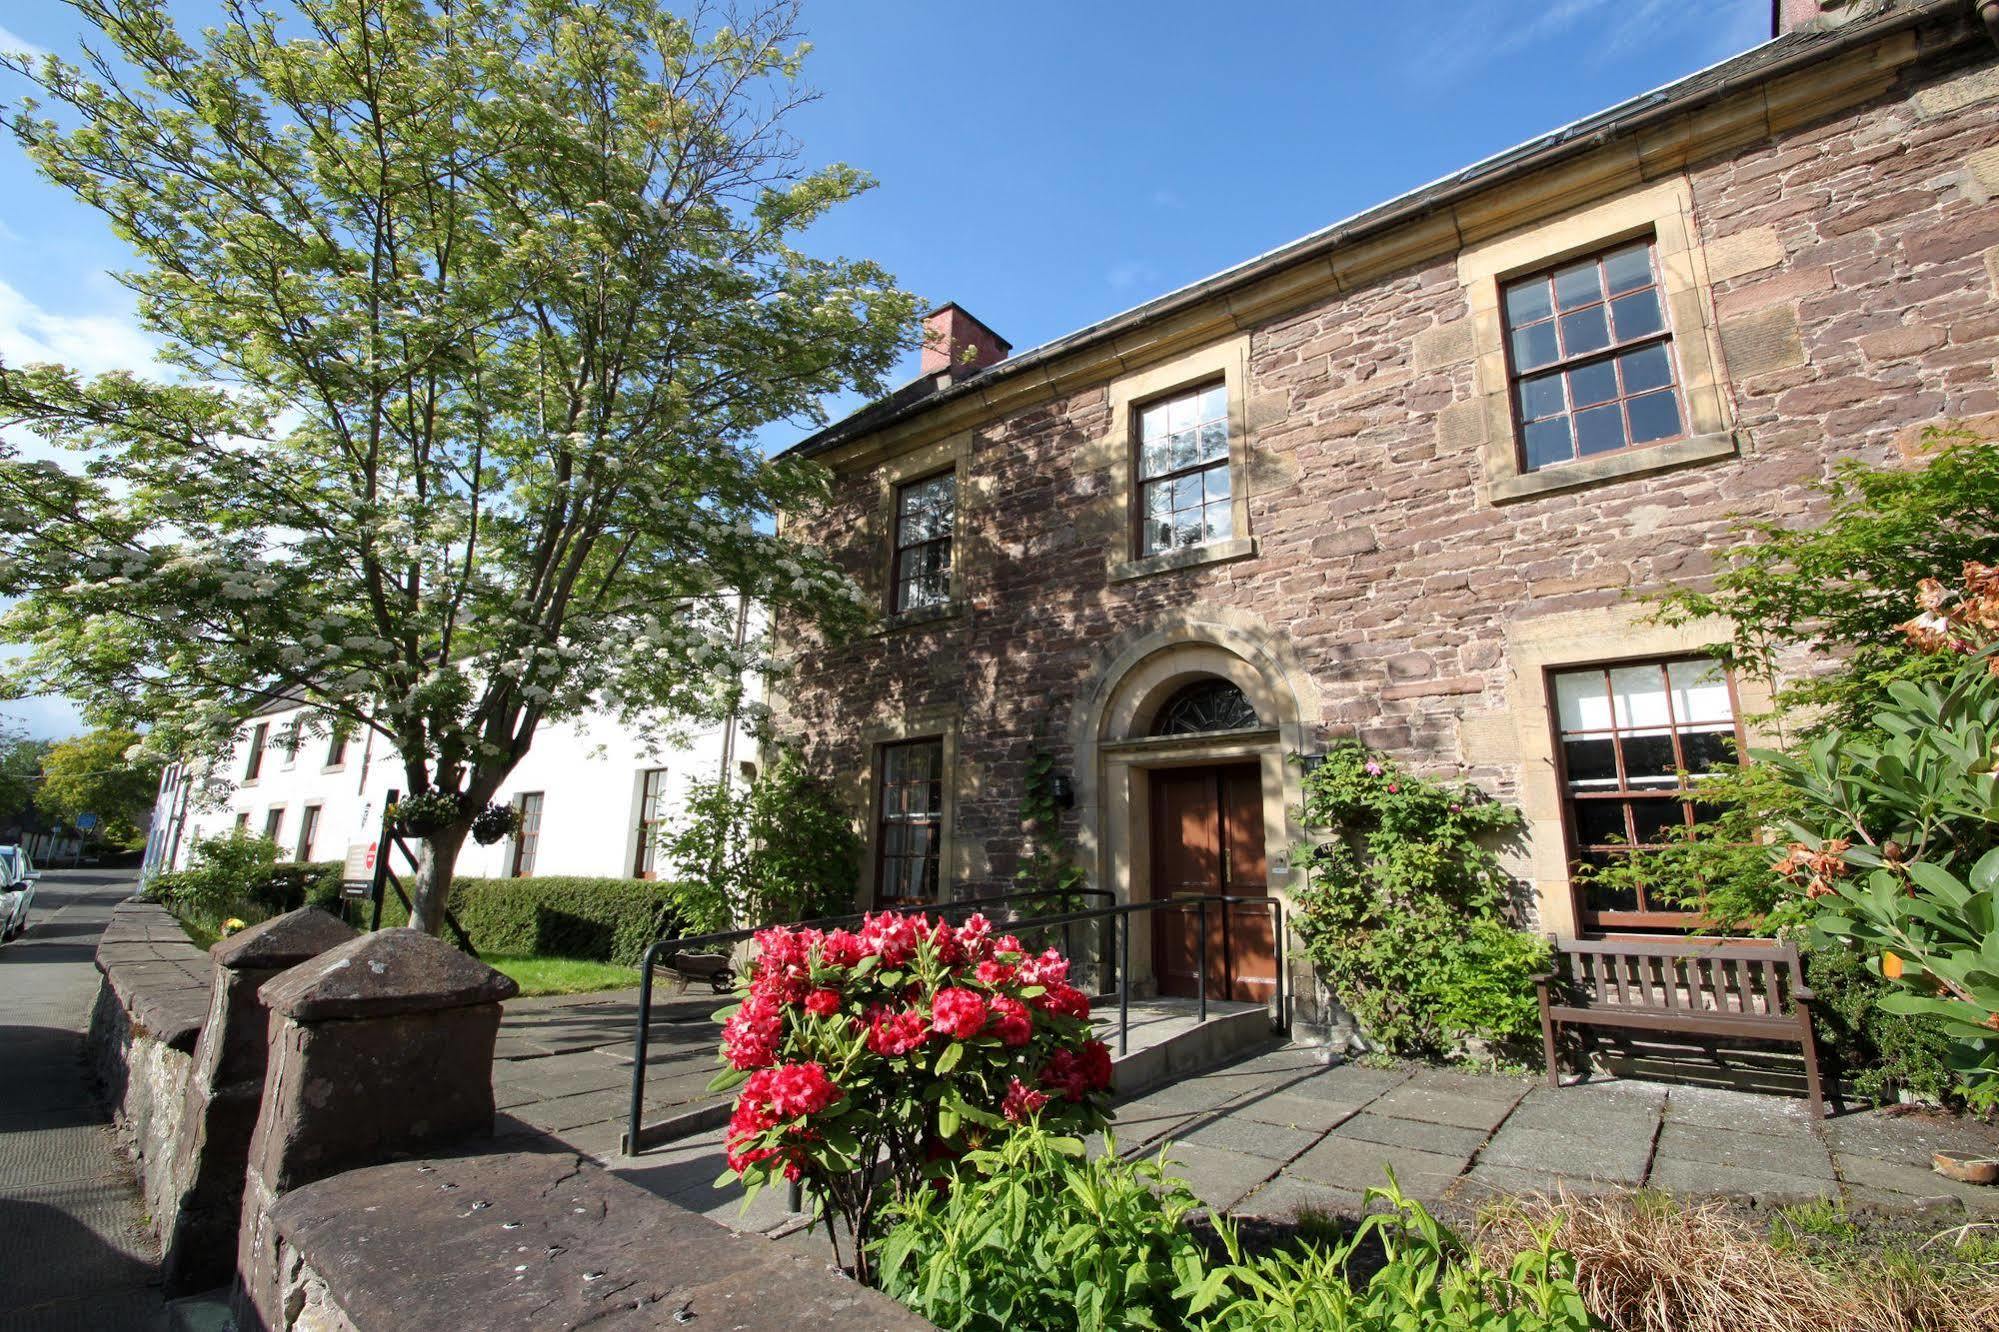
(471, 309)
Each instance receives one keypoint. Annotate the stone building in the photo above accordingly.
(1400, 479)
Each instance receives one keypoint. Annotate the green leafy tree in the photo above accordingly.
(473, 309)
(20, 774)
(1838, 586)
(107, 773)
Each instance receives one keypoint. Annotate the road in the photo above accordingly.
(73, 1250)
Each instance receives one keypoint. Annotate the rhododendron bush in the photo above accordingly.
(901, 1045)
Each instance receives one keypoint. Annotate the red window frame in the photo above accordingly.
(909, 822)
(527, 842)
(1644, 914)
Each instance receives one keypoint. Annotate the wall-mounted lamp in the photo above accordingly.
(1060, 789)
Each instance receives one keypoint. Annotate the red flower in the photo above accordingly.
(1021, 1101)
(1051, 968)
(1011, 1021)
(975, 941)
(892, 937)
(994, 973)
(1077, 1073)
(1064, 999)
(823, 1003)
(751, 1035)
(792, 1090)
(897, 1032)
(841, 948)
(958, 1012)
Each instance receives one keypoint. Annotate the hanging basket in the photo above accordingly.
(422, 813)
(494, 823)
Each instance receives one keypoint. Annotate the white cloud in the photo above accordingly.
(88, 343)
(14, 44)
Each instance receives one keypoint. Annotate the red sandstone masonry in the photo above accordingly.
(1380, 561)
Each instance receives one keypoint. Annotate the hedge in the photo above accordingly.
(598, 920)
(204, 899)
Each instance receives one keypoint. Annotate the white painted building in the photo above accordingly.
(589, 792)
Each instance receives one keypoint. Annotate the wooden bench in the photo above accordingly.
(1747, 990)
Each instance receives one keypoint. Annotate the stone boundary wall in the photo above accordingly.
(539, 1239)
(151, 1004)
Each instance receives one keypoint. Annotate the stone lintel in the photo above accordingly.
(282, 942)
(384, 974)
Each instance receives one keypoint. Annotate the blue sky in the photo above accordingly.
(1048, 164)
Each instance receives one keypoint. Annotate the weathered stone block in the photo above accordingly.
(225, 1092)
(1756, 344)
(1744, 252)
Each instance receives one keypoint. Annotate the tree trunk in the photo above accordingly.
(434, 868)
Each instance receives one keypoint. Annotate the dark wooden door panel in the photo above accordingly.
(1207, 841)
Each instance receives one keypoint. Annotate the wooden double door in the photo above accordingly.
(1207, 841)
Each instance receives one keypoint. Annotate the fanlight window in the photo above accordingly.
(1206, 705)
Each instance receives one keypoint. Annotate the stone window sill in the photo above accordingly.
(917, 619)
(1612, 467)
(1193, 557)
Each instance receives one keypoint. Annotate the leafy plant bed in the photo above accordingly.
(561, 975)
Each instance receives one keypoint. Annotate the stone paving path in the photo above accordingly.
(74, 1252)
(1282, 1131)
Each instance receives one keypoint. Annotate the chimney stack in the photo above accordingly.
(956, 344)
(1791, 15)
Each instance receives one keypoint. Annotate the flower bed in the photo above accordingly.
(906, 1043)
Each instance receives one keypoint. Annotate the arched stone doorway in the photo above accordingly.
(1185, 788)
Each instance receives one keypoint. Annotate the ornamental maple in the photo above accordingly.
(904, 1044)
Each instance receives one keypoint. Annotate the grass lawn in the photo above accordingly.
(561, 975)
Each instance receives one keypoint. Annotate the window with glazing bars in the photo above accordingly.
(1632, 738)
(1591, 358)
(1183, 471)
(925, 515)
(259, 738)
(274, 822)
(528, 840)
(652, 800)
(911, 823)
(308, 832)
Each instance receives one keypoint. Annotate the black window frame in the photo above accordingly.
(260, 736)
(527, 841)
(901, 584)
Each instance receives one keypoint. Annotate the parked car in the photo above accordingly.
(17, 890)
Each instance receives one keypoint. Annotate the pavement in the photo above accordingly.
(1284, 1132)
(74, 1250)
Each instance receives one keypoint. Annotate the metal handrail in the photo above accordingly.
(1118, 915)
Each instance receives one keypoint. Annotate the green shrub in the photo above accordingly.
(240, 876)
(595, 920)
(1880, 1054)
(782, 849)
(1036, 1235)
(1405, 908)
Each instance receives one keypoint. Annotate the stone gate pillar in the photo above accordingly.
(380, 1048)
(225, 1091)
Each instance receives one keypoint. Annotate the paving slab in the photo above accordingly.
(1897, 1184)
(1288, 1199)
(1348, 1163)
(1476, 1086)
(1350, 1083)
(1619, 1160)
(1295, 1111)
(1747, 1112)
(1705, 1179)
(1437, 1105)
(1221, 1179)
(1799, 1153)
(1394, 1131)
(1910, 1139)
(1253, 1137)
